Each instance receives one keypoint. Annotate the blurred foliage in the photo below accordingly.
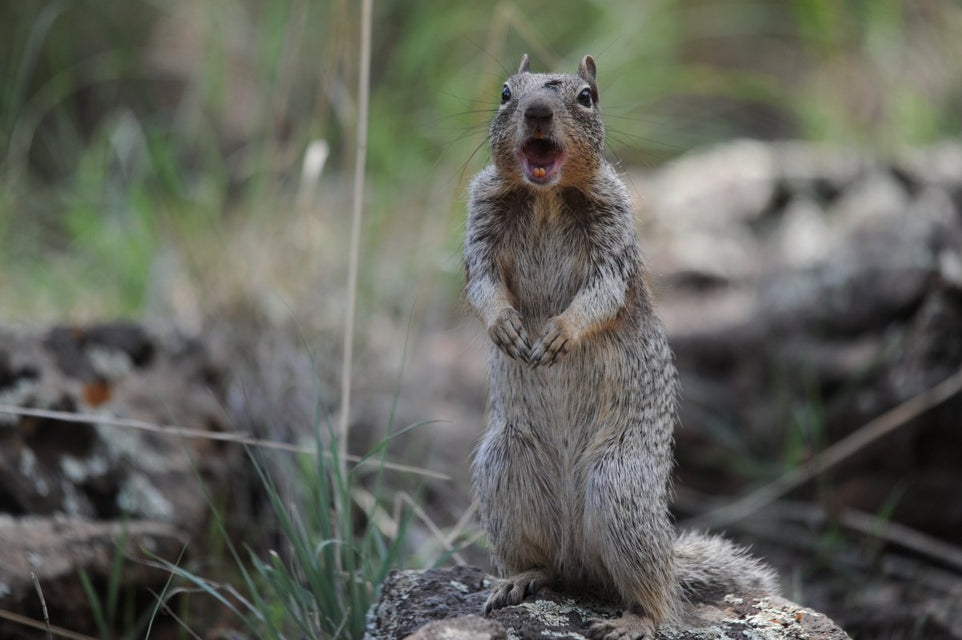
(130, 125)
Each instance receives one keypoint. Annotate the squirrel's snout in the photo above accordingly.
(538, 115)
(538, 111)
(538, 149)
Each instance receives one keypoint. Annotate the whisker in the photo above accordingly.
(464, 166)
(462, 114)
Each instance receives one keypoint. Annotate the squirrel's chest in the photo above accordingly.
(547, 263)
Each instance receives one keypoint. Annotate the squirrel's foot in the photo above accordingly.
(513, 589)
(630, 626)
(555, 341)
(508, 333)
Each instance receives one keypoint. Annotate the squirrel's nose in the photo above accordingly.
(538, 112)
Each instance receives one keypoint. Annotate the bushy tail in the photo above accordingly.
(710, 566)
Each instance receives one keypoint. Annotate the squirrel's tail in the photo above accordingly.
(710, 565)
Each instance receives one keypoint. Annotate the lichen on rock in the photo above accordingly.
(424, 603)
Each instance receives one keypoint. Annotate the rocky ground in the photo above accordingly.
(807, 292)
(444, 603)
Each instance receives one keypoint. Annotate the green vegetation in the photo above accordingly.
(324, 578)
(131, 131)
(105, 613)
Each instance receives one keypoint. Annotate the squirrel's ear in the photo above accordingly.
(523, 67)
(587, 69)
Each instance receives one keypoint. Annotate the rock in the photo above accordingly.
(793, 276)
(472, 627)
(56, 548)
(72, 489)
(424, 603)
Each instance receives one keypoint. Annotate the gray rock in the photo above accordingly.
(56, 548)
(73, 490)
(471, 627)
(430, 604)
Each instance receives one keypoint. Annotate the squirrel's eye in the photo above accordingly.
(584, 98)
(505, 94)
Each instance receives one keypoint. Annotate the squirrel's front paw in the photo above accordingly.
(508, 333)
(556, 340)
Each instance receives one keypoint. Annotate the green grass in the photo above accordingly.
(105, 611)
(323, 579)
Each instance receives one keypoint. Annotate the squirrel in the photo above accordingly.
(573, 470)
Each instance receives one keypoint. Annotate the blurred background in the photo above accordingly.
(187, 165)
(138, 135)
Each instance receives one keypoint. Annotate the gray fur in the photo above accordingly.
(573, 472)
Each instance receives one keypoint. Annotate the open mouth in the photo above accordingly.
(541, 160)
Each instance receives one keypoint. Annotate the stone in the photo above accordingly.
(56, 548)
(431, 603)
(471, 627)
(75, 491)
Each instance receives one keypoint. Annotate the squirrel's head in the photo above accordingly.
(548, 130)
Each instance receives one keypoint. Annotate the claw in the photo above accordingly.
(554, 343)
(512, 590)
(628, 627)
(509, 335)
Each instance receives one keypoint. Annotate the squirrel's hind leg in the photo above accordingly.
(515, 588)
(630, 536)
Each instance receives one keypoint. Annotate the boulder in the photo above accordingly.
(807, 290)
(444, 603)
(88, 473)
